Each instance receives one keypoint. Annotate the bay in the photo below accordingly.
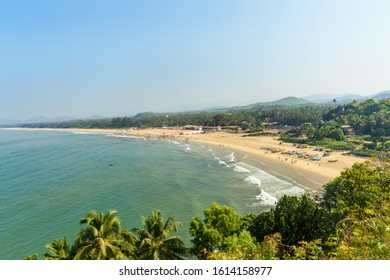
(50, 180)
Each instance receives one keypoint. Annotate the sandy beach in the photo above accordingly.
(308, 172)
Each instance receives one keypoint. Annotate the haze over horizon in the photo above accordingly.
(84, 58)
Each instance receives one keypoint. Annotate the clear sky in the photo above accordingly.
(116, 58)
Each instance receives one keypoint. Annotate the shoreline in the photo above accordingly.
(303, 171)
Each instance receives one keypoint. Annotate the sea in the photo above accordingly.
(50, 180)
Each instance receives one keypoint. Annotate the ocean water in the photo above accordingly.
(50, 180)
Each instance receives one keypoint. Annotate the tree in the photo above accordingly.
(296, 218)
(59, 250)
(221, 222)
(307, 129)
(155, 240)
(263, 225)
(102, 239)
(364, 188)
(33, 257)
(330, 131)
(300, 219)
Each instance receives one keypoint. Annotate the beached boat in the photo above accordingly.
(316, 158)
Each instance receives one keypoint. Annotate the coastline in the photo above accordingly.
(304, 171)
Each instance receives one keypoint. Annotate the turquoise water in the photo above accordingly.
(50, 180)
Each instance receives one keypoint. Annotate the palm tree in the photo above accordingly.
(59, 250)
(103, 238)
(155, 242)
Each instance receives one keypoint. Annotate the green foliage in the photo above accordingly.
(366, 153)
(366, 118)
(220, 223)
(331, 132)
(296, 218)
(306, 251)
(105, 239)
(155, 240)
(307, 129)
(101, 239)
(362, 239)
(364, 186)
(59, 250)
(336, 145)
(33, 257)
(263, 225)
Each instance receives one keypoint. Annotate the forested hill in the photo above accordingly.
(370, 117)
(282, 103)
(286, 110)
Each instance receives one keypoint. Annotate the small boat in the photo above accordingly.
(316, 158)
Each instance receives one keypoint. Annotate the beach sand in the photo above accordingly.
(307, 172)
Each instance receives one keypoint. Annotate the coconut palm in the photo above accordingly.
(155, 242)
(59, 250)
(102, 239)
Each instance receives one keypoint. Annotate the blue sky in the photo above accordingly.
(116, 58)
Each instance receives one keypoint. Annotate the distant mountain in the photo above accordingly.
(328, 98)
(345, 98)
(41, 119)
(95, 117)
(284, 102)
(381, 95)
(38, 119)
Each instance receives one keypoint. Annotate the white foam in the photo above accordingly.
(221, 162)
(272, 187)
(266, 199)
(291, 191)
(231, 157)
(240, 169)
(82, 132)
(174, 142)
(188, 149)
(253, 180)
(126, 136)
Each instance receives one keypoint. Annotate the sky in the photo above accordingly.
(118, 58)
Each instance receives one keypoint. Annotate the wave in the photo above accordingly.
(125, 136)
(231, 157)
(221, 162)
(188, 149)
(266, 199)
(81, 132)
(271, 187)
(253, 180)
(240, 169)
(292, 191)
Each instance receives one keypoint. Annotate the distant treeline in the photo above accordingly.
(317, 122)
(293, 116)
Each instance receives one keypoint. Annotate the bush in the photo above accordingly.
(337, 145)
